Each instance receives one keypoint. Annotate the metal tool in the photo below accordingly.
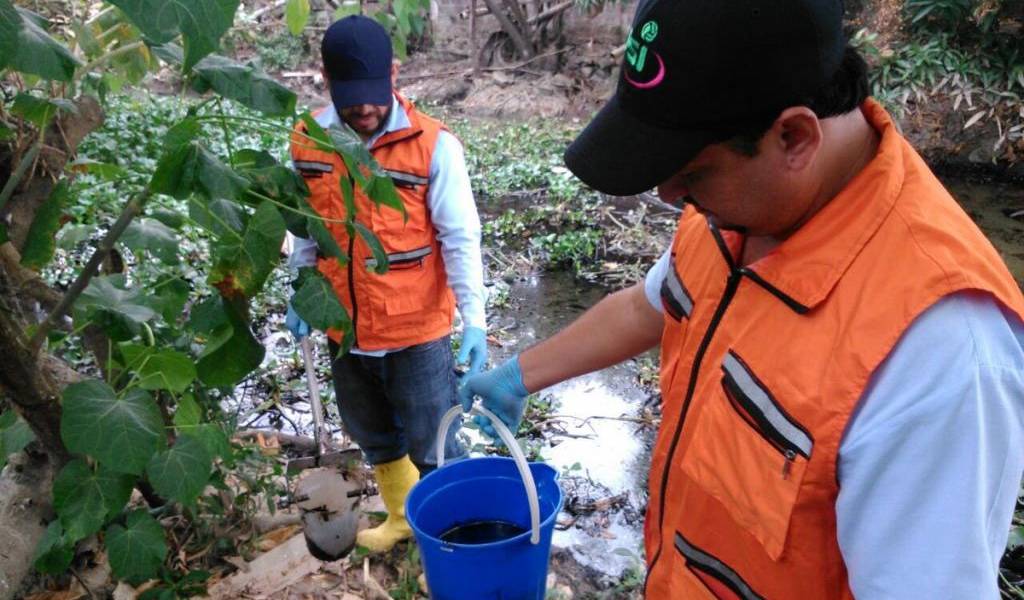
(327, 495)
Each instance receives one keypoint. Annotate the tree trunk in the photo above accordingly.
(24, 511)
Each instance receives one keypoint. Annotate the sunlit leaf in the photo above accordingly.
(122, 433)
(152, 235)
(181, 472)
(347, 8)
(85, 498)
(244, 83)
(201, 22)
(316, 136)
(296, 14)
(136, 550)
(34, 51)
(41, 241)
(102, 170)
(381, 190)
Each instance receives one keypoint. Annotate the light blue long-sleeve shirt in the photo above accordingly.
(452, 211)
(930, 463)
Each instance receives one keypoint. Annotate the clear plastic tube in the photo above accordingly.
(517, 455)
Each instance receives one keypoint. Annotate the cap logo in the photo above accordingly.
(636, 57)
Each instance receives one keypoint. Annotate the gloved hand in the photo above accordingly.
(502, 392)
(295, 324)
(473, 349)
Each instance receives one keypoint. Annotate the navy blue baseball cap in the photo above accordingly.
(697, 72)
(357, 58)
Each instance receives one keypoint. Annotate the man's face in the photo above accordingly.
(754, 194)
(365, 119)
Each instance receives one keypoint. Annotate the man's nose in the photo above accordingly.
(673, 193)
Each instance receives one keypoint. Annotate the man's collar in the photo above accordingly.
(397, 120)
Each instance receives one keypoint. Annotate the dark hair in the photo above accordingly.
(847, 90)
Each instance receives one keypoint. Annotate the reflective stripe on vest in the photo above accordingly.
(761, 376)
(411, 303)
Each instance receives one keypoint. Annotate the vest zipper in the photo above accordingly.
(735, 275)
(352, 291)
(787, 466)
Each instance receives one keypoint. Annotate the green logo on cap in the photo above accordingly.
(649, 31)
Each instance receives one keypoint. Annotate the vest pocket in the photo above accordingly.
(749, 454)
(722, 581)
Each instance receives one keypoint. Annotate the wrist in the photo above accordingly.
(514, 376)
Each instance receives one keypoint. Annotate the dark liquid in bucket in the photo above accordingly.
(481, 532)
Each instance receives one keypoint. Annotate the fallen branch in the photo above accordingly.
(466, 72)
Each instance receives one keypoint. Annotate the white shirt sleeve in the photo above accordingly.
(655, 276)
(453, 211)
(303, 253)
(930, 464)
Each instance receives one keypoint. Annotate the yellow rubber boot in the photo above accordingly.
(394, 479)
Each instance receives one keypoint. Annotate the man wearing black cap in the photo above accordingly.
(398, 380)
(842, 351)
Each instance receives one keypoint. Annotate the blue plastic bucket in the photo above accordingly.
(483, 489)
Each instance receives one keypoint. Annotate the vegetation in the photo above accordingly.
(186, 210)
(966, 51)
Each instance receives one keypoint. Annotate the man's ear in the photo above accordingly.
(394, 72)
(797, 132)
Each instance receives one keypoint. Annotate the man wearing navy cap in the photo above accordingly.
(842, 351)
(398, 380)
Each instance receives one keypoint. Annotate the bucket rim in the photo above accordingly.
(544, 523)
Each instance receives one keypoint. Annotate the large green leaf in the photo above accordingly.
(380, 257)
(381, 190)
(231, 351)
(201, 22)
(55, 551)
(36, 52)
(241, 82)
(316, 135)
(187, 414)
(159, 369)
(181, 471)
(85, 499)
(136, 550)
(190, 168)
(122, 433)
(317, 303)
(116, 310)
(243, 265)
(296, 14)
(41, 241)
(223, 218)
(168, 297)
(10, 25)
(154, 236)
(15, 434)
(40, 111)
(216, 440)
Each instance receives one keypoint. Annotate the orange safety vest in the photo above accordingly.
(411, 303)
(763, 364)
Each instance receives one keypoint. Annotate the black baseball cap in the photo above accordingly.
(357, 58)
(697, 72)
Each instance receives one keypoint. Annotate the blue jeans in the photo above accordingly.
(392, 405)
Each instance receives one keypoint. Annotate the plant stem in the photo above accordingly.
(131, 210)
(101, 60)
(23, 167)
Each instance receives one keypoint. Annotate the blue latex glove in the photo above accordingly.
(473, 349)
(295, 324)
(502, 392)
